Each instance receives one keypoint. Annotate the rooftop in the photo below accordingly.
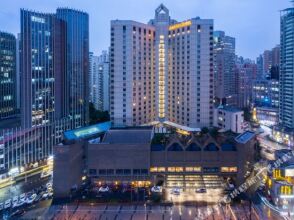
(128, 136)
(229, 108)
(245, 137)
(86, 132)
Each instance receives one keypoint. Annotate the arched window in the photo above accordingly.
(175, 147)
(228, 147)
(211, 147)
(193, 147)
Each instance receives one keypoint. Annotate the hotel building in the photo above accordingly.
(139, 156)
(161, 71)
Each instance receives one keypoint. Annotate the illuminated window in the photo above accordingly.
(171, 169)
(179, 169)
(157, 169)
(229, 169)
(193, 169)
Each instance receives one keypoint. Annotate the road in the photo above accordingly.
(142, 212)
(18, 188)
(268, 146)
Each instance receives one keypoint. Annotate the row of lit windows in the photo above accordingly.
(189, 169)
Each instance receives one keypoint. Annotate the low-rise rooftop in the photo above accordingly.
(128, 136)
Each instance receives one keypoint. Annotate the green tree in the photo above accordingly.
(97, 116)
(204, 130)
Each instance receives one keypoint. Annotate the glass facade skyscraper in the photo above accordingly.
(42, 68)
(286, 112)
(54, 67)
(76, 83)
(7, 75)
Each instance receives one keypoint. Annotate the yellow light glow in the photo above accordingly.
(161, 81)
(180, 25)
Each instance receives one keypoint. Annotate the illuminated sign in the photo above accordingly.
(180, 25)
(289, 172)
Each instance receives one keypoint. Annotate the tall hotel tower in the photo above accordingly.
(162, 71)
(54, 67)
(287, 69)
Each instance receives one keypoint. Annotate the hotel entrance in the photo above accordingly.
(194, 181)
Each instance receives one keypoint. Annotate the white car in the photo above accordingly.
(45, 195)
(104, 189)
(49, 185)
(201, 190)
(14, 201)
(22, 197)
(30, 199)
(18, 203)
(156, 189)
(7, 204)
(176, 191)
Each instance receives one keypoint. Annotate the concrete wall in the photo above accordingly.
(68, 168)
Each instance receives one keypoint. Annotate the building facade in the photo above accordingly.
(99, 81)
(286, 110)
(224, 69)
(228, 118)
(167, 71)
(76, 82)
(22, 149)
(265, 93)
(246, 73)
(54, 67)
(8, 102)
(139, 157)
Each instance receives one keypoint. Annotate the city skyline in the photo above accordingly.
(248, 44)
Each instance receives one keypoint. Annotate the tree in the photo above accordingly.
(96, 116)
(204, 130)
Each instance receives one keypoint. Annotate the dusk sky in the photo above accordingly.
(254, 23)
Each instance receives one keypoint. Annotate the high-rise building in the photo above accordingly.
(286, 110)
(246, 73)
(162, 71)
(42, 68)
(76, 92)
(7, 75)
(224, 68)
(99, 81)
(54, 67)
(259, 64)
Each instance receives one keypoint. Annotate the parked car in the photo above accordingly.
(49, 185)
(7, 204)
(31, 198)
(156, 189)
(201, 190)
(38, 198)
(14, 201)
(176, 191)
(45, 195)
(22, 197)
(103, 189)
